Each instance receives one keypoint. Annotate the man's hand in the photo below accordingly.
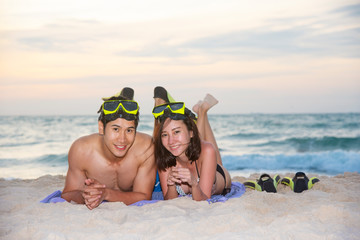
(94, 193)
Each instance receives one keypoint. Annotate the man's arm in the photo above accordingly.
(75, 177)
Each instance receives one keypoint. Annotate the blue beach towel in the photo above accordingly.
(237, 189)
(53, 198)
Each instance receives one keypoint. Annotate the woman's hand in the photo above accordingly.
(183, 175)
(172, 179)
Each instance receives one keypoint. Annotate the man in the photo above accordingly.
(117, 164)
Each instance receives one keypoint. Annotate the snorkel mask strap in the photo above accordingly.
(168, 114)
(120, 113)
(190, 114)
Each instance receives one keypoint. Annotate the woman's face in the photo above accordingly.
(175, 137)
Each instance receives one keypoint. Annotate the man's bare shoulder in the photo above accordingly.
(143, 136)
(83, 144)
(143, 146)
(86, 140)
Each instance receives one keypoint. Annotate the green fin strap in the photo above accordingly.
(312, 181)
(253, 185)
(288, 181)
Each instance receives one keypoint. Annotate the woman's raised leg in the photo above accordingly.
(203, 124)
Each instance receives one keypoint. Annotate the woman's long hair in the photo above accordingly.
(165, 159)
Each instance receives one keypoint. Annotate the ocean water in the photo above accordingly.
(329, 144)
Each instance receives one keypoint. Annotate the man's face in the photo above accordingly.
(119, 136)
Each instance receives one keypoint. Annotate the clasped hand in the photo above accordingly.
(181, 175)
(94, 193)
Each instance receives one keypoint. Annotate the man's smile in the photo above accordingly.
(120, 147)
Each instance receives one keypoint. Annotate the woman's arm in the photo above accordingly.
(167, 184)
(202, 190)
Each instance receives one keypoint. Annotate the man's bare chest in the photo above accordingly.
(114, 176)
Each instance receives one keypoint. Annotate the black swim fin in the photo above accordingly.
(160, 92)
(126, 93)
(300, 182)
(264, 183)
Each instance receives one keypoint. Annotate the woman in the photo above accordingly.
(187, 155)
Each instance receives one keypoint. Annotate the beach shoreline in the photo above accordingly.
(330, 210)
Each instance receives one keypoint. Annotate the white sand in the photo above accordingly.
(328, 211)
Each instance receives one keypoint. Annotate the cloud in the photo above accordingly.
(260, 43)
(328, 35)
(254, 40)
(350, 10)
(250, 53)
(325, 35)
(158, 49)
(66, 36)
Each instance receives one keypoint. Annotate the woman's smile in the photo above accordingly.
(175, 137)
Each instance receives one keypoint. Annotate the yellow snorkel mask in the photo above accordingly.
(127, 109)
(173, 110)
(175, 107)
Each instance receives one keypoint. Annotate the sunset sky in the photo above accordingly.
(61, 57)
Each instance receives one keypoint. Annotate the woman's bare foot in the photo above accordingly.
(208, 102)
(196, 107)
